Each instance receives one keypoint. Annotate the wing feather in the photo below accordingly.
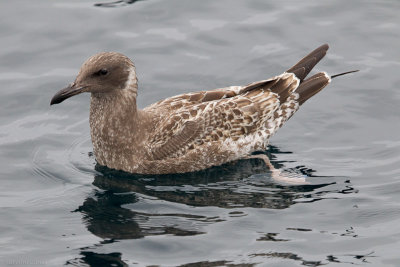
(211, 116)
(189, 131)
(186, 100)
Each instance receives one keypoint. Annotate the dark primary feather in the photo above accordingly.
(312, 86)
(305, 65)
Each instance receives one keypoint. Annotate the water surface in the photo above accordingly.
(58, 207)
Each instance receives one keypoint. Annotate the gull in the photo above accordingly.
(187, 132)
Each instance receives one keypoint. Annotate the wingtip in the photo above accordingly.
(312, 86)
(306, 64)
(327, 76)
(326, 46)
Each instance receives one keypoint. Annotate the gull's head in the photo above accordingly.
(103, 73)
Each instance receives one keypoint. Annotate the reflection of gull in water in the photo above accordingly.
(136, 201)
(125, 206)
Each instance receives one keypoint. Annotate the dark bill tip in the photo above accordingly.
(65, 93)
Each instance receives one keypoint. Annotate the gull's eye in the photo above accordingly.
(101, 72)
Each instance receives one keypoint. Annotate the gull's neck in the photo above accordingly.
(115, 127)
(113, 114)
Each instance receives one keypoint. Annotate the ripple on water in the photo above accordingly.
(76, 165)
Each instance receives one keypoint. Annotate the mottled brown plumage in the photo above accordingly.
(188, 132)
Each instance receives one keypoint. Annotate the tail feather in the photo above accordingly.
(304, 66)
(312, 86)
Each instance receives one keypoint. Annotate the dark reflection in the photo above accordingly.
(216, 264)
(116, 3)
(290, 256)
(98, 259)
(110, 211)
(271, 237)
(359, 259)
(126, 206)
(244, 183)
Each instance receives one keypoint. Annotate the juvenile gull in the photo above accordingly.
(188, 132)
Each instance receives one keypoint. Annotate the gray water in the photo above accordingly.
(58, 207)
